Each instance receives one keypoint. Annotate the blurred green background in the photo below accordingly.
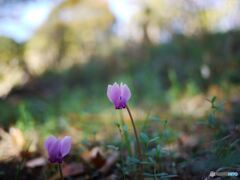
(57, 58)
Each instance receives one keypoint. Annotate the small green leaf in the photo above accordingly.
(151, 160)
(213, 99)
(147, 163)
(158, 151)
(133, 160)
(113, 147)
(163, 175)
(164, 122)
(154, 118)
(125, 128)
(158, 174)
(211, 120)
(144, 137)
(117, 124)
(153, 139)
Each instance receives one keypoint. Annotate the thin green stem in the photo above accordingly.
(125, 133)
(137, 139)
(60, 171)
(21, 165)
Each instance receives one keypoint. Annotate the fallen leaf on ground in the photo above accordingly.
(95, 157)
(72, 169)
(111, 160)
(37, 162)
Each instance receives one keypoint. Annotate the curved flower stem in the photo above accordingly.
(60, 171)
(137, 139)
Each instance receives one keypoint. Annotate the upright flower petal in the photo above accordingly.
(126, 93)
(49, 142)
(113, 92)
(54, 154)
(65, 145)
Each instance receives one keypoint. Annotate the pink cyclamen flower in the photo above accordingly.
(118, 95)
(57, 148)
